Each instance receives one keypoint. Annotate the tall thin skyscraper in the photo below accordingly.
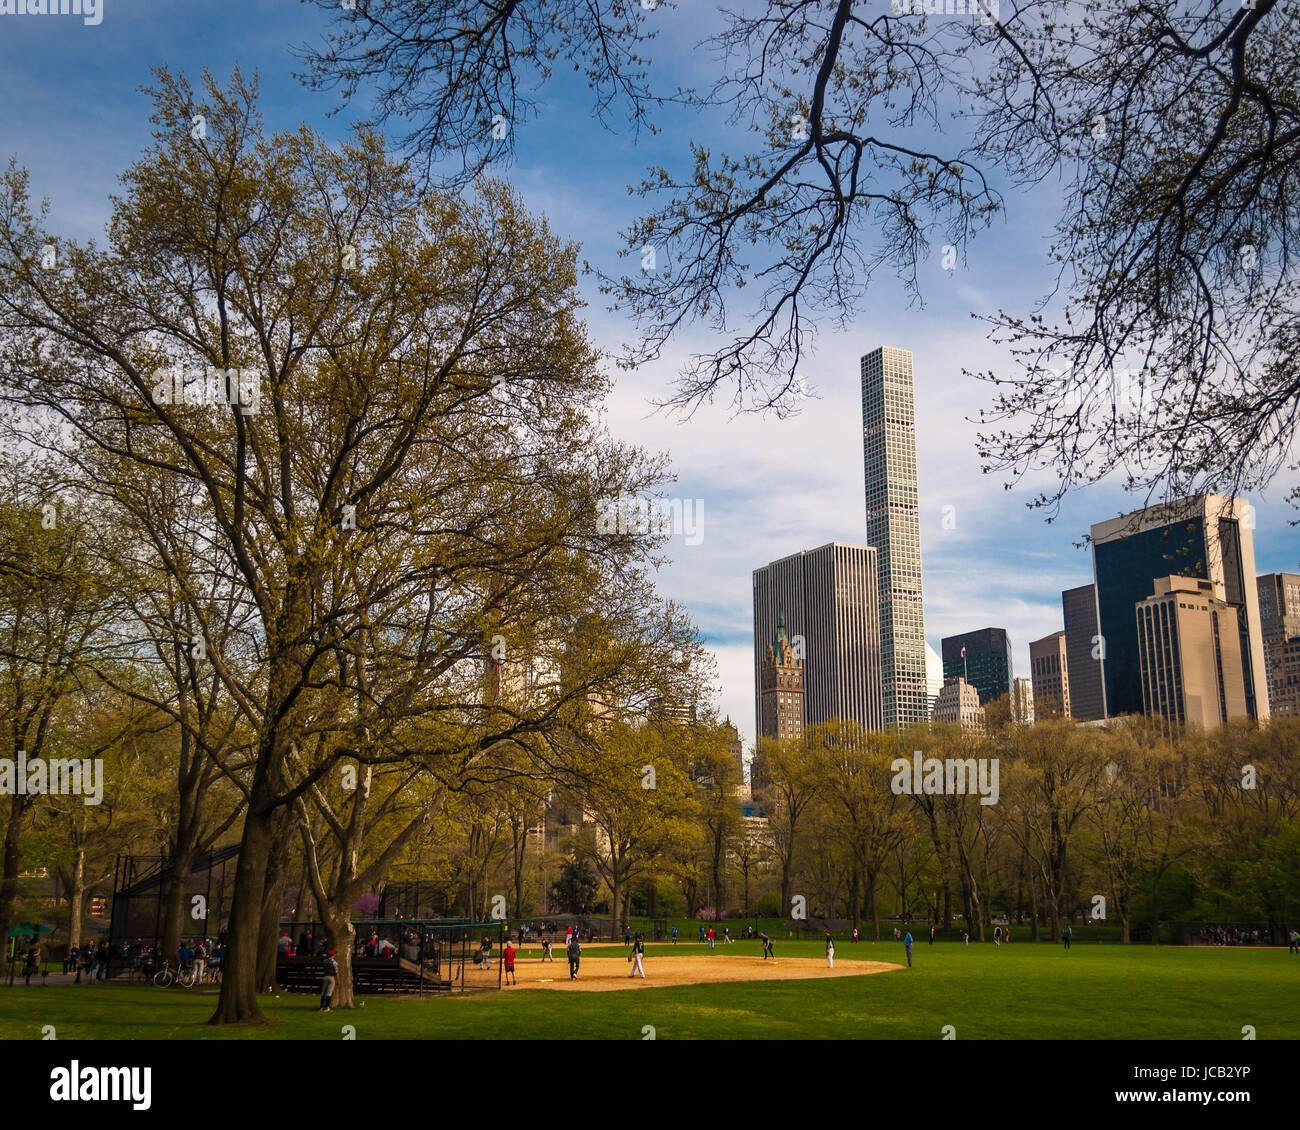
(825, 600)
(894, 529)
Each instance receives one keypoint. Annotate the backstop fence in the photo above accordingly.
(411, 956)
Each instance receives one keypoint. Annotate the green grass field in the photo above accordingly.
(1023, 991)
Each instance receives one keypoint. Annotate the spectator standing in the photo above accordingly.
(327, 982)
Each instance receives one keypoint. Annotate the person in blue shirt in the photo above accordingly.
(907, 944)
(674, 935)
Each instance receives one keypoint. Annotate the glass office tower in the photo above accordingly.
(1206, 537)
(986, 664)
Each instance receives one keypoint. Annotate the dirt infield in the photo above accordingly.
(607, 974)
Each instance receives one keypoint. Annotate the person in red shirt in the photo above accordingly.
(710, 937)
(508, 960)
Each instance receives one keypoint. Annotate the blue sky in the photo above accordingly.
(74, 118)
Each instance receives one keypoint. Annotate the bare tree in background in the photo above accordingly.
(1166, 349)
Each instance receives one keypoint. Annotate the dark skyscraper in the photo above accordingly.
(1206, 537)
(986, 664)
(1083, 653)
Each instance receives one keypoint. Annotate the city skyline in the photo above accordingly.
(771, 486)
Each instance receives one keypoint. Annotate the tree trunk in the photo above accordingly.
(238, 1001)
(9, 883)
(1155, 908)
(268, 933)
(1033, 908)
(76, 898)
(343, 936)
(1020, 890)
(615, 888)
(173, 902)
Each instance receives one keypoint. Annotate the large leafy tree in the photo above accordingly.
(639, 807)
(408, 457)
(54, 605)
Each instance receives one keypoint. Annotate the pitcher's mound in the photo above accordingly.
(605, 974)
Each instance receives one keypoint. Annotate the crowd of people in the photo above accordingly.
(1230, 936)
(99, 960)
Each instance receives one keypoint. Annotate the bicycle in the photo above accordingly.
(168, 975)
